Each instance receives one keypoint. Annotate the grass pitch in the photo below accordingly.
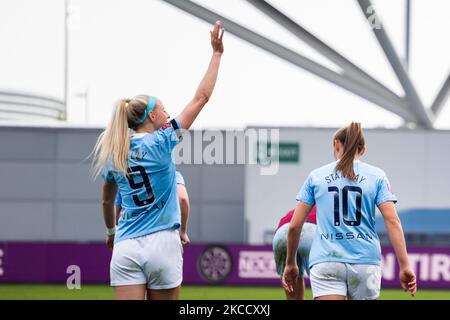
(104, 292)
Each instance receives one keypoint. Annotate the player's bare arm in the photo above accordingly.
(206, 87)
(109, 196)
(290, 274)
(185, 209)
(395, 231)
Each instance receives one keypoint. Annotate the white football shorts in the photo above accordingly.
(355, 281)
(155, 259)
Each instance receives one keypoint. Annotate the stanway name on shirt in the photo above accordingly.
(336, 176)
(346, 236)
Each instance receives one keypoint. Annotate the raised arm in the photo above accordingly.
(290, 274)
(206, 87)
(395, 231)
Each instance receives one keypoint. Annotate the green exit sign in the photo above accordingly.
(285, 152)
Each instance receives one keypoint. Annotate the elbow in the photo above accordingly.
(202, 98)
(294, 228)
(107, 203)
(392, 221)
(184, 201)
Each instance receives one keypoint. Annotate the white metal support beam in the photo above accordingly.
(441, 98)
(424, 117)
(282, 52)
(349, 69)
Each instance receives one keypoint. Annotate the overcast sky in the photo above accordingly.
(123, 48)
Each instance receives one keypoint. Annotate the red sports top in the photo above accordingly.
(288, 217)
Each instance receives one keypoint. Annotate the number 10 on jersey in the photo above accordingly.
(345, 192)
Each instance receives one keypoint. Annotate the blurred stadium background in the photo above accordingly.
(297, 66)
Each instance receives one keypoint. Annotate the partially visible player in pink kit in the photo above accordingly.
(280, 248)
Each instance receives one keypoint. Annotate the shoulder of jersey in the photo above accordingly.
(329, 166)
(374, 170)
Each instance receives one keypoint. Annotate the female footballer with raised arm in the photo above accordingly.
(147, 258)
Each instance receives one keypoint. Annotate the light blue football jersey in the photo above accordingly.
(346, 213)
(179, 180)
(149, 194)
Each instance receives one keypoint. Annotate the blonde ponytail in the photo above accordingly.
(113, 144)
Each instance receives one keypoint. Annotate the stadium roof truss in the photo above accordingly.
(352, 78)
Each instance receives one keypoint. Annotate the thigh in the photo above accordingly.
(330, 297)
(299, 290)
(163, 256)
(163, 294)
(364, 281)
(130, 292)
(328, 279)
